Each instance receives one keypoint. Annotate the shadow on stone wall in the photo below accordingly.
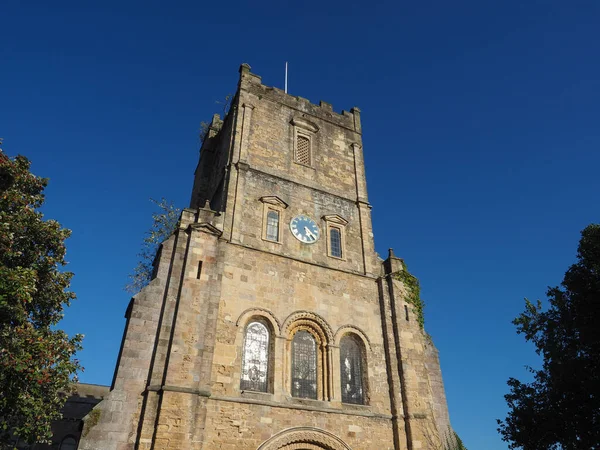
(67, 431)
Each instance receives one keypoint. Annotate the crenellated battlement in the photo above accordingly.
(252, 84)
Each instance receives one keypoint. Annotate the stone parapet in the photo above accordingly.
(252, 83)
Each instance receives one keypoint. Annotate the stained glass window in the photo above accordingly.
(255, 361)
(273, 225)
(304, 365)
(351, 367)
(335, 242)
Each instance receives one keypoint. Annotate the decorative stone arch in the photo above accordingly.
(307, 318)
(265, 314)
(302, 438)
(321, 332)
(312, 327)
(351, 329)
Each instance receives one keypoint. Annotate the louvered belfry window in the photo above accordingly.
(303, 155)
(255, 361)
(304, 365)
(351, 367)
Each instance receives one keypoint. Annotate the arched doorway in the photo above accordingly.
(304, 438)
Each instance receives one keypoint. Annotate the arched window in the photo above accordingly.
(255, 360)
(304, 365)
(68, 443)
(351, 366)
(273, 225)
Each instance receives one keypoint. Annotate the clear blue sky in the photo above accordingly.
(480, 128)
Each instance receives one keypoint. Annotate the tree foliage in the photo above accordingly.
(205, 126)
(560, 408)
(36, 359)
(164, 223)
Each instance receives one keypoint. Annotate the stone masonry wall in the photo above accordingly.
(243, 426)
(301, 200)
(422, 397)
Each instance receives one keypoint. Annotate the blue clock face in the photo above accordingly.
(304, 229)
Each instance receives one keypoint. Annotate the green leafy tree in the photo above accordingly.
(205, 126)
(37, 366)
(560, 408)
(164, 223)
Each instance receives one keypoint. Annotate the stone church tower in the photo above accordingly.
(271, 323)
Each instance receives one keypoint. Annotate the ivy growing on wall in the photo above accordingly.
(454, 444)
(91, 421)
(413, 293)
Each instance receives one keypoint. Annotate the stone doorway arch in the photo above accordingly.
(302, 447)
(304, 438)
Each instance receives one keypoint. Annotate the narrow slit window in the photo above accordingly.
(406, 312)
(273, 226)
(352, 371)
(335, 239)
(304, 365)
(303, 155)
(199, 270)
(255, 361)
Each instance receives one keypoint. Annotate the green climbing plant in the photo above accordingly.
(454, 442)
(413, 293)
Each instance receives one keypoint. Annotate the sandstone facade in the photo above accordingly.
(234, 261)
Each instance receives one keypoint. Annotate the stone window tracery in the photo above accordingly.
(255, 360)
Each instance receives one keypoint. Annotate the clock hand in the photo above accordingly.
(309, 233)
